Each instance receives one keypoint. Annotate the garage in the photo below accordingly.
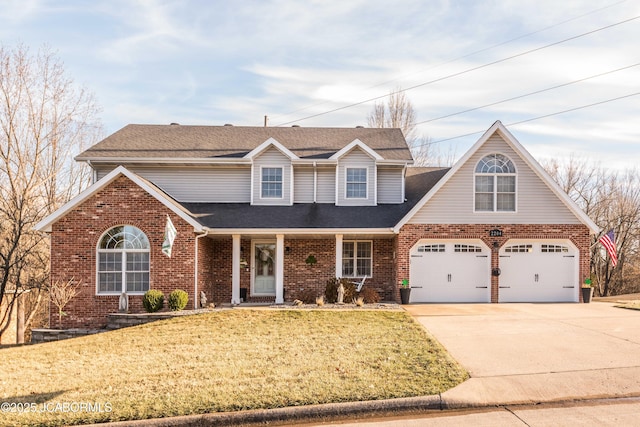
(450, 271)
(538, 271)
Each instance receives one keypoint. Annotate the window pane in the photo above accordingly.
(347, 250)
(364, 267)
(110, 282)
(356, 183)
(506, 202)
(506, 184)
(272, 182)
(110, 262)
(364, 249)
(484, 184)
(124, 237)
(484, 202)
(138, 262)
(137, 282)
(495, 163)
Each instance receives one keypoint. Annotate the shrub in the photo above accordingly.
(369, 295)
(178, 300)
(331, 291)
(153, 300)
(308, 296)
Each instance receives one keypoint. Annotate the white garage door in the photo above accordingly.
(538, 271)
(450, 271)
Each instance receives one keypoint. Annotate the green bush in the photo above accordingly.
(178, 300)
(153, 300)
(369, 295)
(331, 291)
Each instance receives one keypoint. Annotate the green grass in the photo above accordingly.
(227, 361)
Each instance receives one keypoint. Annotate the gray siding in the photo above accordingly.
(390, 185)
(356, 158)
(535, 202)
(272, 157)
(326, 191)
(303, 185)
(217, 184)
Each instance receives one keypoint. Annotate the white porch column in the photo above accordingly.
(279, 268)
(235, 270)
(338, 255)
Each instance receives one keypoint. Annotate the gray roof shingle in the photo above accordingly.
(311, 215)
(201, 142)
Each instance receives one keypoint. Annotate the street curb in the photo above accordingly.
(295, 413)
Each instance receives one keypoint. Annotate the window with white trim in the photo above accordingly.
(123, 261)
(553, 248)
(519, 249)
(431, 248)
(495, 184)
(356, 183)
(271, 183)
(357, 258)
(466, 248)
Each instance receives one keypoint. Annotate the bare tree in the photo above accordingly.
(44, 119)
(612, 201)
(60, 294)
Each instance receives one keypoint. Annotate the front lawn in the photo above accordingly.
(223, 361)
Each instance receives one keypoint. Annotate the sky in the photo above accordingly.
(325, 62)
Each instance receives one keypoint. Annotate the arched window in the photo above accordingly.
(123, 261)
(495, 184)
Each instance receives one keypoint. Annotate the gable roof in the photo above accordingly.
(178, 142)
(501, 130)
(271, 143)
(162, 197)
(353, 144)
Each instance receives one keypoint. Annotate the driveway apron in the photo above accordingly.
(524, 353)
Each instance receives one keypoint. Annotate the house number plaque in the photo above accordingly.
(495, 233)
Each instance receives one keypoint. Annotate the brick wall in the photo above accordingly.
(411, 233)
(74, 240)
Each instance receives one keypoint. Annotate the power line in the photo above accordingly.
(467, 70)
(464, 56)
(535, 118)
(527, 94)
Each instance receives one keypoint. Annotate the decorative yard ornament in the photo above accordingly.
(340, 294)
(123, 305)
(203, 299)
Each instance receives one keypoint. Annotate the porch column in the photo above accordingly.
(338, 255)
(279, 268)
(235, 270)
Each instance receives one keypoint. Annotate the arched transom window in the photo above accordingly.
(495, 184)
(123, 261)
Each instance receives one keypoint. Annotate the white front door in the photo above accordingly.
(538, 271)
(264, 268)
(450, 271)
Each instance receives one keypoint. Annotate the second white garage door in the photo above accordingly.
(450, 271)
(538, 271)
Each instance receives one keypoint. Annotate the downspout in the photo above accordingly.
(195, 275)
(315, 182)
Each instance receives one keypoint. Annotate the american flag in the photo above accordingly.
(609, 242)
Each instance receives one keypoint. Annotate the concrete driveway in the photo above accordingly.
(529, 353)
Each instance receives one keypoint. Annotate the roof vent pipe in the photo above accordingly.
(175, 124)
(295, 126)
(228, 124)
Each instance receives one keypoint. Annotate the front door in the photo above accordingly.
(264, 271)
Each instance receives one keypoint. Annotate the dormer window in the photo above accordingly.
(271, 183)
(495, 184)
(356, 183)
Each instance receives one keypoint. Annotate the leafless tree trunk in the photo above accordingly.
(612, 201)
(44, 119)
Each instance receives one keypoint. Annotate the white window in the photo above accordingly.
(553, 248)
(272, 183)
(495, 184)
(357, 258)
(431, 248)
(356, 183)
(467, 248)
(123, 261)
(519, 249)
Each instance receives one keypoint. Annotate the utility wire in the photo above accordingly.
(526, 94)
(534, 118)
(464, 56)
(467, 70)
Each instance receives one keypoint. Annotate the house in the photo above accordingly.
(251, 205)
